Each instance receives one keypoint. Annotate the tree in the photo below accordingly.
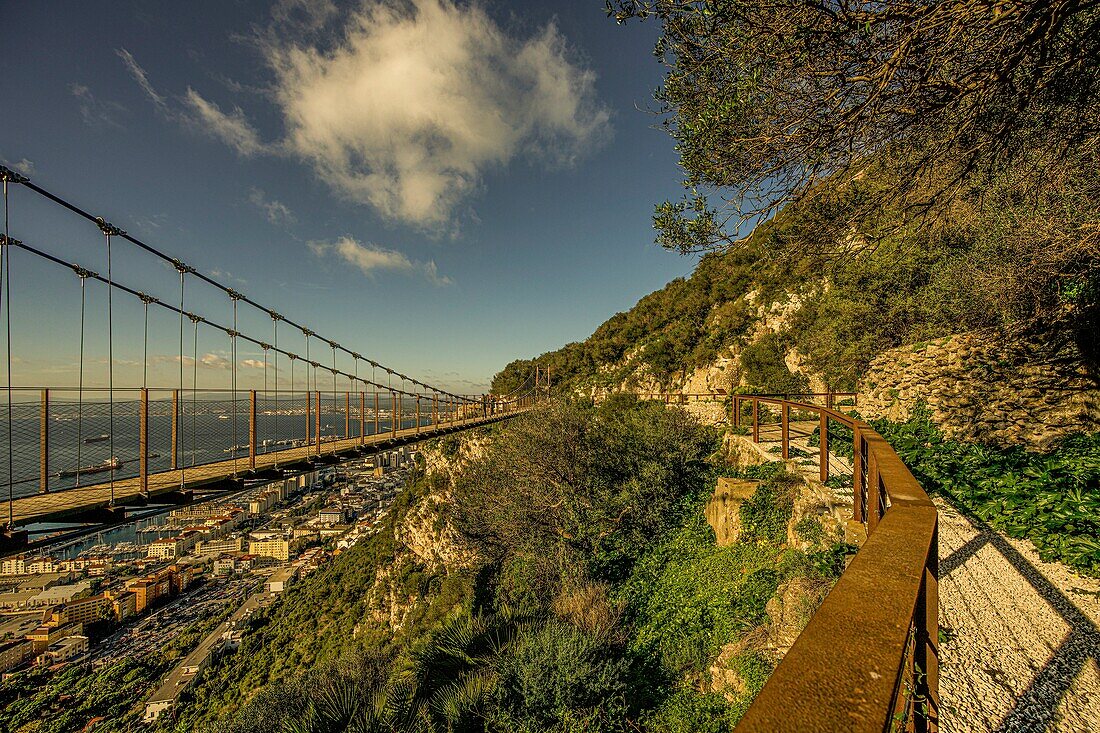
(902, 103)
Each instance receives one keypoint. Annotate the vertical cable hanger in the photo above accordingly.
(275, 317)
(178, 443)
(109, 230)
(194, 386)
(83, 274)
(234, 296)
(5, 302)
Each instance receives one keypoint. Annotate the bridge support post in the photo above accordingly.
(823, 446)
(362, 418)
(435, 411)
(418, 414)
(347, 415)
(785, 429)
(252, 429)
(756, 421)
(395, 415)
(44, 442)
(309, 418)
(175, 429)
(143, 441)
(317, 421)
(376, 418)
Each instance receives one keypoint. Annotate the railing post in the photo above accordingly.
(755, 420)
(874, 492)
(857, 474)
(785, 429)
(175, 429)
(926, 656)
(736, 412)
(44, 443)
(823, 445)
(252, 429)
(317, 421)
(143, 441)
(362, 418)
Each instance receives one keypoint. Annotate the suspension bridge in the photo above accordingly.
(84, 455)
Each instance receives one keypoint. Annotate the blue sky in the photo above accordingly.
(443, 188)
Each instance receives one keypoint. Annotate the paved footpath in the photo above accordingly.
(1019, 639)
(1020, 650)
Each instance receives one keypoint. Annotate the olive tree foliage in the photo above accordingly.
(902, 104)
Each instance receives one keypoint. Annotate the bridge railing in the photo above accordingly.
(868, 658)
(65, 439)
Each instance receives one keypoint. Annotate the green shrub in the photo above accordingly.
(554, 675)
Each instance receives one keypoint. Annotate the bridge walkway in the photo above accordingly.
(56, 506)
(1019, 639)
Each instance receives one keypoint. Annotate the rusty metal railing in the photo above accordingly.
(868, 659)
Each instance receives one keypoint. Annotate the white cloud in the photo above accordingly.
(370, 258)
(252, 364)
(24, 166)
(140, 77)
(232, 128)
(96, 112)
(214, 361)
(276, 211)
(417, 99)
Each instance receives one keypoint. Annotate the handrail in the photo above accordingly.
(868, 660)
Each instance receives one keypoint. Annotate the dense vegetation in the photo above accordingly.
(1051, 499)
(597, 599)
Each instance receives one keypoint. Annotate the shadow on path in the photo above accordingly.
(1035, 708)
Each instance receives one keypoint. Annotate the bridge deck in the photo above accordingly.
(56, 506)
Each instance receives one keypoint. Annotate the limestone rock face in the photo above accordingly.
(790, 609)
(722, 676)
(723, 511)
(741, 451)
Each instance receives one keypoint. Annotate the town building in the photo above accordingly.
(68, 648)
(281, 579)
(276, 547)
(82, 611)
(12, 653)
(44, 636)
(219, 547)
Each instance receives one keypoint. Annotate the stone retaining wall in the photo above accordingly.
(979, 388)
